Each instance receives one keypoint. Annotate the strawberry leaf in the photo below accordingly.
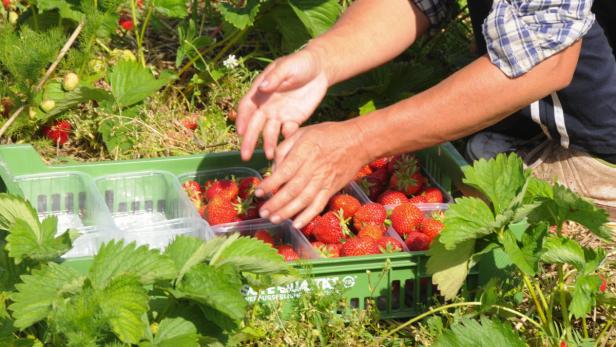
(131, 83)
(34, 297)
(116, 259)
(171, 8)
(487, 333)
(123, 302)
(316, 15)
(526, 262)
(584, 293)
(449, 267)
(187, 252)
(14, 207)
(561, 250)
(239, 17)
(467, 219)
(174, 332)
(499, 179)
(250, 255)
(39, 243)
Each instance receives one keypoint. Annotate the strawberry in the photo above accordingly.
(433, 195)
(430, 227)
(363, 172)
(264, 236)
(317, 244)
(408, 182)
(247, 209)
(401, 161)
(380, 163)
(6, 4)
(345, 203)
(388, 245)
(603, 285)
(220, 210)
(371, 213)
(360, 246)
(416, 241)
(203, 211)
(247, 186)
(47, 105)
(70, 81)
(327, 250)
(418, 199)
(190, 122)
(373, 230)
(563, 343)
(308, 230)
(380, 175)
(58, 132)
(287, 252)
(193, 190)
(232, 115)
(225, 188)
(371, 186)
(406, 218)
(392, 197)
(330, 228)
(140, 3)
(126, 22)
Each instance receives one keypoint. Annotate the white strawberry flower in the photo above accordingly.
(231, 62)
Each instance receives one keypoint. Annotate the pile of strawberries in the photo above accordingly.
(395, 180)
(222, 201)
(285, 250)
(416, 229)
(348, 228)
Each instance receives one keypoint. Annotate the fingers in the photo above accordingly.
(274, 78)
(297, 203)
(247, 107)
(270, 137)
(285, 147)
(316, 206)
(287, 170)
(249, 141)
(289, 128)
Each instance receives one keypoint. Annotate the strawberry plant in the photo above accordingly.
(188, 295)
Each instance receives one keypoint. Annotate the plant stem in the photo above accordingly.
(146, 22)
(133, 10)
(608, 324)
(534, 296)
(563, 299)
(546, 307)
(584, 327)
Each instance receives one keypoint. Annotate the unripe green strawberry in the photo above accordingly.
(97, 65)
(48, 105)
(70, 81)
(13, 17)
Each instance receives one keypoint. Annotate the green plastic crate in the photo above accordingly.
(398, 282)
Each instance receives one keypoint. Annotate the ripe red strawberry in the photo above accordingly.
(140, 3)
(264, 236)
(247, 186)
(430, 227)
(371, 213)
(416, 241)
(380, 175)
(308, 230)
(6, 4)
(220, 210)
(603, 285)
(360, 246)
(375, 231)
(193, 190)
(126, 22)
(371, 186)
(401, 161)
(392, 197)
(563, 343)
(408, 182)
(317, 244)
(327, 250)
(227, 189)
(247, 209)
(406, 218)
(418, 199)
(388, 245)
(433, 195)
(363, 172)
(345, 202)
(190, 122)
(330, 228)
(287, 252)
(58, 132)
(380, 163)
(203, 211)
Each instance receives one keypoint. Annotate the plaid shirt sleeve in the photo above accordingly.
(437, 11)
(520, 34)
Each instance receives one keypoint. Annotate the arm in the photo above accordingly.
(319, 160)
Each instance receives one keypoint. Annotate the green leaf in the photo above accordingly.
(187, 252)
(449, 267)
(292, 31)
(115, 259)
(317, 15)
(239, 17)
(500, 179)
(467, 219)
(34, 297)
(250, 255)
(219, 288)
(594, 258)
(67, 100)
(487, 333)
(584, 295)
(131, 83)
(525, 262)
(38, 244)
(562, 250)
(174, 332)
(14, 207)
(66, 9)
(123, 302)
(171, 8)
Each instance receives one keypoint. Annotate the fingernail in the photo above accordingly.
(275, 219)
(259, 193)
(296, 225)
(264, 213)
(264, 84)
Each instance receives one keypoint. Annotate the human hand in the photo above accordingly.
(310, 167)
(281, 98)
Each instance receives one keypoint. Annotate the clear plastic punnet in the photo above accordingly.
(71, 197)
(150, 208)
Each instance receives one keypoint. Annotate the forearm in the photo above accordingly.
(470, 100)
(369, 33)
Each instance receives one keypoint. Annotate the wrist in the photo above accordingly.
(320, 54)
(365, 148)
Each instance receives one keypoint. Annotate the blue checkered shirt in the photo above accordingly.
(521, 33)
